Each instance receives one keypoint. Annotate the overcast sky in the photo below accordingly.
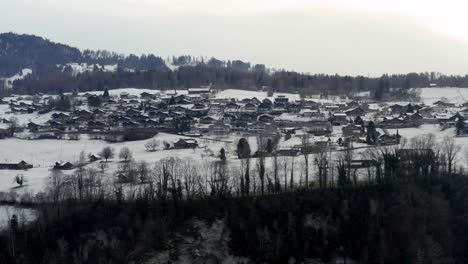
(368, 37)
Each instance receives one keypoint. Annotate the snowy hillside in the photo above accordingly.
(21, 75)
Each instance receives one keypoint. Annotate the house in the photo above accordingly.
(63, 166)
(386, 139)
(146, 96)
(362, 164)
(98, 125)
(414, 119)
(261, 127)
(267, 101)
(250, 107)
(264, 108)
(94, 157)
(202, 90)
(355, 112)
(265, 118)
(22, 165)
(33, 126)
(281, 99)
(185, 143)
(220, 129)
(321, 128)
(397, 109)
(339, 119)
(353, 130)
(395, 122)
(207, 120)
(443, 104)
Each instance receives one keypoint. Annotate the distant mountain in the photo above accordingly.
(18, 52)
(31, 64)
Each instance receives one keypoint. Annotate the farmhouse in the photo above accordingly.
(185, 143)
(22, 165)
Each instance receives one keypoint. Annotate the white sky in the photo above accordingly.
(367, 37)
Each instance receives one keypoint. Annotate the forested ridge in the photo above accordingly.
(50, 74)
(410, 208)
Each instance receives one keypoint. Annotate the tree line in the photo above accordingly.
(408, 209)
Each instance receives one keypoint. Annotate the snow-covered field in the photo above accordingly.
(449, 94)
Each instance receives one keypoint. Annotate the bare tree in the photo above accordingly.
(125, 154)
(13, 125)
(107, 153)
(151, 145)
(305, 146)
(451, 150)
(143, 171)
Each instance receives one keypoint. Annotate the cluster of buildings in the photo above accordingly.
(199, 112)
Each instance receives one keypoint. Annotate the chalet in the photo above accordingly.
(264, 108)
(98, 112)
(255, 101)
(309, 104)
(203, 90)
(150, 123)
(199, 106)
(130, 124)
(56, 124)
(231, 107)
(60, 116)
(267, 101)
(63, 166)
(185, 143)
(414, 120)
(265, 118)
(250, 107)
(33, 126)
(124, 95)
(228, 118)
(339, 119)
(146, 96)
(353, 130)
(386, 139)
(246, 117)
(22, 165)
(150, 109)
(132, 112)
(355, 112)
(293, 107)
(311, 113)
(409, 156)
(220, 129)
(287, 152)
(397, 108)
(246, 101)
(362, 164)
(281, 99)
(97, 125)
(260, 127)
(395, 122)
(318, 128)
(207, 120)
(82, 113)
(444, 104)
(94, 157)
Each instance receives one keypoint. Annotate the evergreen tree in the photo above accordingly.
(460, 125)
(222, 154)
(243, 149)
